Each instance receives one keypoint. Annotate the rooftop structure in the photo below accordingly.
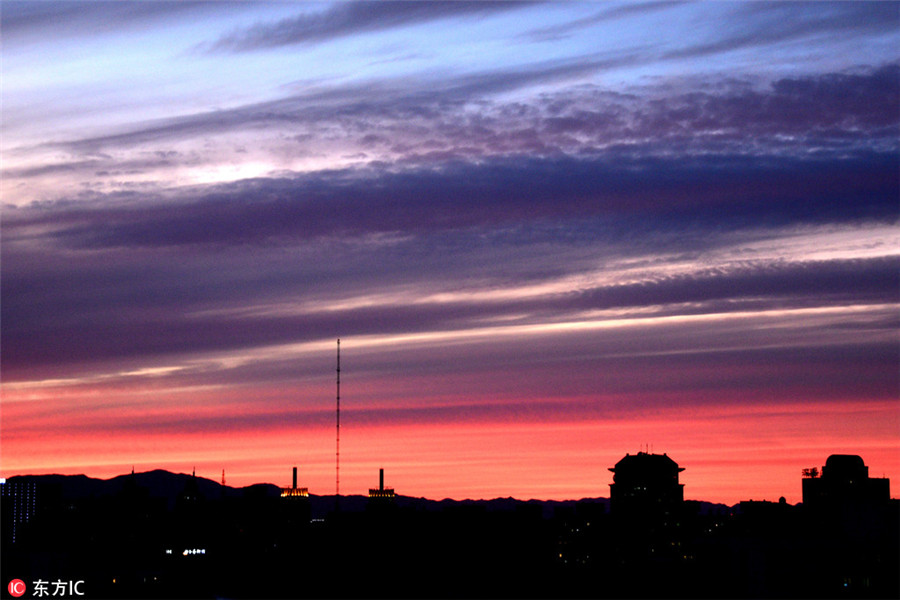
(381, 491)
(294, 491)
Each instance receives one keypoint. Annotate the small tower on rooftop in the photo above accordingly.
(294, 491)
(381, 492)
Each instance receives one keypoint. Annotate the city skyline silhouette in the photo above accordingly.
(651, 466)
(159, 534)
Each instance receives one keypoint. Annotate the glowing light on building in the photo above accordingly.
(294, 491)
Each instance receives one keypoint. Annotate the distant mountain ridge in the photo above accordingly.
(169, 486)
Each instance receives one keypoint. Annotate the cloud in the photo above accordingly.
(760, 24)
(349, 18)
(459, 195)
(461, 120)
(94, 303)
(368, 103)
(25, 19)
(558, 32)
(747, 25)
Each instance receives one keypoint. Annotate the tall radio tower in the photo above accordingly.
(337, 454)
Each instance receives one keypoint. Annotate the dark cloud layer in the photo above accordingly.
(124, 275)
(725, 191)
(150, 301)
(505, 179)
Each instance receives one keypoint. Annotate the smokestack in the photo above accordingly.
(295, 478)
(381, 479)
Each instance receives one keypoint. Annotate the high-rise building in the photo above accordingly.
(844, 482)
(19, 501)
(646, 483)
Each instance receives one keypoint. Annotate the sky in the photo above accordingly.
(546, 234)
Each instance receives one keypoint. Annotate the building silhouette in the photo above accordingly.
(844, 482)
(294, 491)
(159, 534)
(845, 502)
(646, 483)
(19, 503)
(381, 492)
(853, 524)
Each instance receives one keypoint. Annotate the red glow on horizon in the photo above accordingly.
(733, 455)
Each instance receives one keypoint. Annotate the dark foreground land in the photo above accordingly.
(160, 535)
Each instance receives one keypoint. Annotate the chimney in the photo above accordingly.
(295, 478)
(381, 479)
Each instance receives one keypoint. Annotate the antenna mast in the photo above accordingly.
(337, 454)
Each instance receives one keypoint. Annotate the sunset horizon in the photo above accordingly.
(282, 481)
(440, 485)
